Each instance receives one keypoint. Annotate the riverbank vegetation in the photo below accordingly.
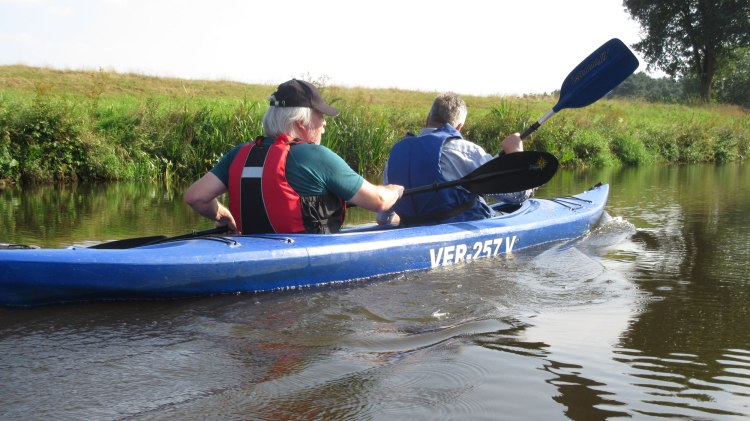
(99, 125)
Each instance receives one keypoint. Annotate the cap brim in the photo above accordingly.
(327, 110)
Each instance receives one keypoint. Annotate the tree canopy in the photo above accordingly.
(641, 85)
(733, 82)
(691, 38)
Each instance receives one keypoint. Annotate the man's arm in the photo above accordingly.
(377, 198)
(201, 196)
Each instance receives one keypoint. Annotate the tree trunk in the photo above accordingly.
(707, 75)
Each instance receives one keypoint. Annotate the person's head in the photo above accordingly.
(297, 109)
(447, 108)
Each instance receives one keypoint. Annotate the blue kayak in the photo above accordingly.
(211, 265)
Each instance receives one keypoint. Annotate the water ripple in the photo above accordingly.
(689, 385)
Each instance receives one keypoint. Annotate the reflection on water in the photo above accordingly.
(644, 317)
(693, 257)
(686, 347)
(60, 215)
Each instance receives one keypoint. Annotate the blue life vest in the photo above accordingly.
(414, 162)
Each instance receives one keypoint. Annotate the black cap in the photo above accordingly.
(298, 93)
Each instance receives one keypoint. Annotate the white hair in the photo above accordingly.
(280, 120)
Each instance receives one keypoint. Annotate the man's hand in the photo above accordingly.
(225, 218)
(513, 143)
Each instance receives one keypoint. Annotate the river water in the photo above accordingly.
(647, 317)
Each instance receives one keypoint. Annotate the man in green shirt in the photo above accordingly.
(286, 181)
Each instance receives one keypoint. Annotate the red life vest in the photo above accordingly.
(262, 201)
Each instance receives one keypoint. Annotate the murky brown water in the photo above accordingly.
(647, 317)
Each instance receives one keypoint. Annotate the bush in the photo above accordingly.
(725, 149)
(9, 166)
(490, 129)
(555, 139)
(695, 144)
(591, 148)
(49, 141)
(662, 142)
(630, 150)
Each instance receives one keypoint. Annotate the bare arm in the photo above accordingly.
(201, 196)
(377, 198)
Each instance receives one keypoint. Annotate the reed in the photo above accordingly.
(363, 136)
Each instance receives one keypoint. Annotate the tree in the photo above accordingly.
(691, 37)
(641, 85)
(733, 82)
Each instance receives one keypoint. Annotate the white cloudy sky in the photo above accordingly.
(475, 47)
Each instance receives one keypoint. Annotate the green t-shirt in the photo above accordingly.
(310, 169)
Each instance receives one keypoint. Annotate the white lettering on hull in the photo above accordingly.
(453, 254)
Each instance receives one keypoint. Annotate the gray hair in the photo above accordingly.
(447, 108)
(280, 120)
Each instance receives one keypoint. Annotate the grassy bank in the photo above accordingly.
(74, 125)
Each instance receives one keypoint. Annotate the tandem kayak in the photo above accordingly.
(214, 264)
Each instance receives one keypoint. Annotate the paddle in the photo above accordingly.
(144, 241)
(505, 174)
(593, 78)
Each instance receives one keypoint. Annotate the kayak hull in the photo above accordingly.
(222, 265)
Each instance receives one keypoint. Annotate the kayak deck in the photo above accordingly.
(252, 263)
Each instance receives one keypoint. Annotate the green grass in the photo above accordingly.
(78, 125)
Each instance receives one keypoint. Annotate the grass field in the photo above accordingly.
(98, 125)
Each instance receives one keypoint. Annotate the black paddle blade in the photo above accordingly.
(508, 173)
(129, 243)
(512, 173)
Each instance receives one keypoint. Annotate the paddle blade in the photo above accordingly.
(156, 239)
(597, 75)
(512, 172)
(128, 242)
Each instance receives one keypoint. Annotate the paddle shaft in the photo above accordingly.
(537, 124)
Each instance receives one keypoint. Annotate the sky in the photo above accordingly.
(472, 47)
